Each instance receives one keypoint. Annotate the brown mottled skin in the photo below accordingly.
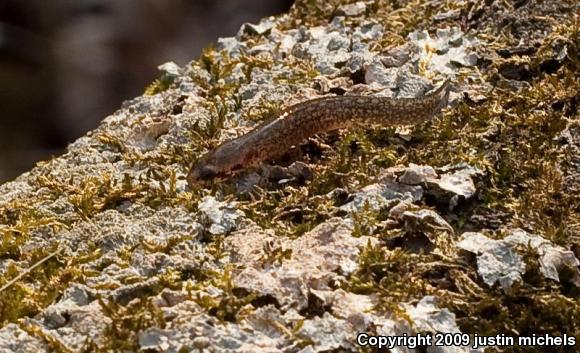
(298, 122)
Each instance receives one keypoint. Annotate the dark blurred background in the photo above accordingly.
(66, 64)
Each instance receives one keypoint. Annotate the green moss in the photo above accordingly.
(127, 321)
(159, 85)
(40, 286)
(166, 246)
(274, 255)
(364, 221)
(230, 305)
(290, 211)
(24, 220)
(397, 277)
(525, 167)
(53, 344)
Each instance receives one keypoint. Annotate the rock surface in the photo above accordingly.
(378, 230)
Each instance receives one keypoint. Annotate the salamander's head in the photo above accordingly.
(202, 171)
(217, 163)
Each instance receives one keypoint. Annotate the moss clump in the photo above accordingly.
(127, 321)
(230, 305)
(42, 285)
(159, 85)
(19, 220)
(524, 161)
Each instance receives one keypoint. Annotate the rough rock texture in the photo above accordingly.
(469, 223)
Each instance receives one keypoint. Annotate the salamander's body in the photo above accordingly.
(298, 122)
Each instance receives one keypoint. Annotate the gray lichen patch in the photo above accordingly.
(499, 261)
(287, 270)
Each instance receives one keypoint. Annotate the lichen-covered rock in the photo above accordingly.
(15, 339)
(106, 248)
(290, 269)
(219, 218)
(428, 317)
(500, 261)
(497, 261)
